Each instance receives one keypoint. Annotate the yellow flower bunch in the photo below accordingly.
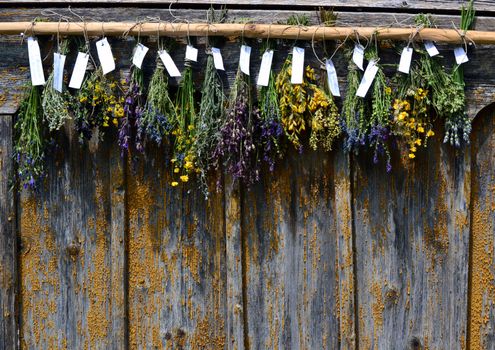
(412, 121)
(293, 103)
(325, 126)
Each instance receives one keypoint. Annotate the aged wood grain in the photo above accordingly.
(431, 5)
(9, 326)
(177, 262)
(295, 276)
(412, 250)
(482, 281)
(70, 281)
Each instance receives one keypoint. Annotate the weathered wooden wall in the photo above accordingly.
(326, 252)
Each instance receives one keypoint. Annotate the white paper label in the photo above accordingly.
(58, 71)
(169, 64)
(244, 59)
(217, 58)
(139, 53)
(105, 55)
(297, 65)
(405, 60)
(79, 70)
(35, 63)
(358, 56)
(265, 68)
(460, 55)
(333, 82)
(431, 48)
(191, 53)
(368, 77)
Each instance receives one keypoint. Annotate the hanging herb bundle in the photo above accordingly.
(96, 104)
(354, 123)
(211, 110)
(159, 111)
(271, 124)
(29, 148)
(458, 125)
(293, 97)
(325, 124)
(184, 153)
(133, 110)
(412, 111)
(379, 123)
(55, 104)
(238, 132)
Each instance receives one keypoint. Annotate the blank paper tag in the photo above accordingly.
(358, 56)
(405, 60)
(460, 55)
(169, 64)
(217, 58)
(35, 63)
(244, 59)
(297, 65)
(105, 55)
(58, 71)
(79, 70)
(368, 77)
(139, 53)
(265, 68)
(333, 82)
(191, 53)
(431, 48)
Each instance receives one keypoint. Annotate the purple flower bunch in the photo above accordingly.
(133, 111)
(237, 136)
(271, 132)
(378, 137)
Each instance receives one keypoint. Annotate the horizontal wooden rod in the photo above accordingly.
(250, 30)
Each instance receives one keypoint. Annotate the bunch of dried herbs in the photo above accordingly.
(185, 128)
(30, 144)
(236, 148)
(354, 123)
(159, 112)
(211, 109)
(97, 104)
(133, 110)
(56, 104)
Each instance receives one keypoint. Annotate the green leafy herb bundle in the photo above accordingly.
(56, 104)
(29, 147)
(159, 112)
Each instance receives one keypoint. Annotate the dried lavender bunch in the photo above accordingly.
(133, 110)
(29, 147)
(236, 146)
(211, 114)
(270, 124)
(159, 110)
(55, 104)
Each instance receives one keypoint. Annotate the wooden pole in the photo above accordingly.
(451, 36)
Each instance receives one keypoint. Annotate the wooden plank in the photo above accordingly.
(295, 275)
(430, 5)
(177, 260)
(482, 271)
(236, 313)
(70, 278)
(412, 250)
(9, 320)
